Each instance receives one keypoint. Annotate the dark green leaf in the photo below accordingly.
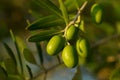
(10, 53)
(10, 66)
(49, 6)
(45, 22)
(30, 72)
(29, 56)
(3, 73)
(44, 35)
(64, 11)
(39, 49)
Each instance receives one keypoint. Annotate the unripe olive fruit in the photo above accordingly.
(83, 47)
(69, 56)
(97, 13)
(71, 33)
(55, 45)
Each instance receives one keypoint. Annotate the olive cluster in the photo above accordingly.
(72, 45)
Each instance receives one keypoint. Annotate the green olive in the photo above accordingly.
(96, 13)
(55, 45)
(69, 56)
(83, 47)
(71, 33)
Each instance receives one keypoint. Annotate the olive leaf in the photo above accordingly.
(10, 66)
(49, 6)
(3, 73)
(30, 72)
(39, 49)
(17, 48)
(21, 46)
(14, 77)
(45, 22)
(29, 56)
(43, 35)
(10, 53)
(64, 11)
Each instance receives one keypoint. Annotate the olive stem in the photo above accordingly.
(76, 17)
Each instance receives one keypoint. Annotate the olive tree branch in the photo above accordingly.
(46, 71)
(104, 40)
(76, 17)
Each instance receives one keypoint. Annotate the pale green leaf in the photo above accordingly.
(64, 11)
(18, 51)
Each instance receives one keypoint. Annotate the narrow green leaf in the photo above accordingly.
(17, 48)
(43, 35)
(14, 77)
(45, 22)
(29, 56)
(39, 49)
(30, 72)
(10, 66)
(21, 46)
(49, 6)
(12, 35)
(10, 53)
(64, 11)
(3, 74)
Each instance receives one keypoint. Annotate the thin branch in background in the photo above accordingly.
(47, 70)
(104, 40)
(76, 17)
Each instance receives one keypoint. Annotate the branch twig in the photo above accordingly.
(104, 40)
(76, 17)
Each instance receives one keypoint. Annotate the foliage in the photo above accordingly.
(95, 40)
